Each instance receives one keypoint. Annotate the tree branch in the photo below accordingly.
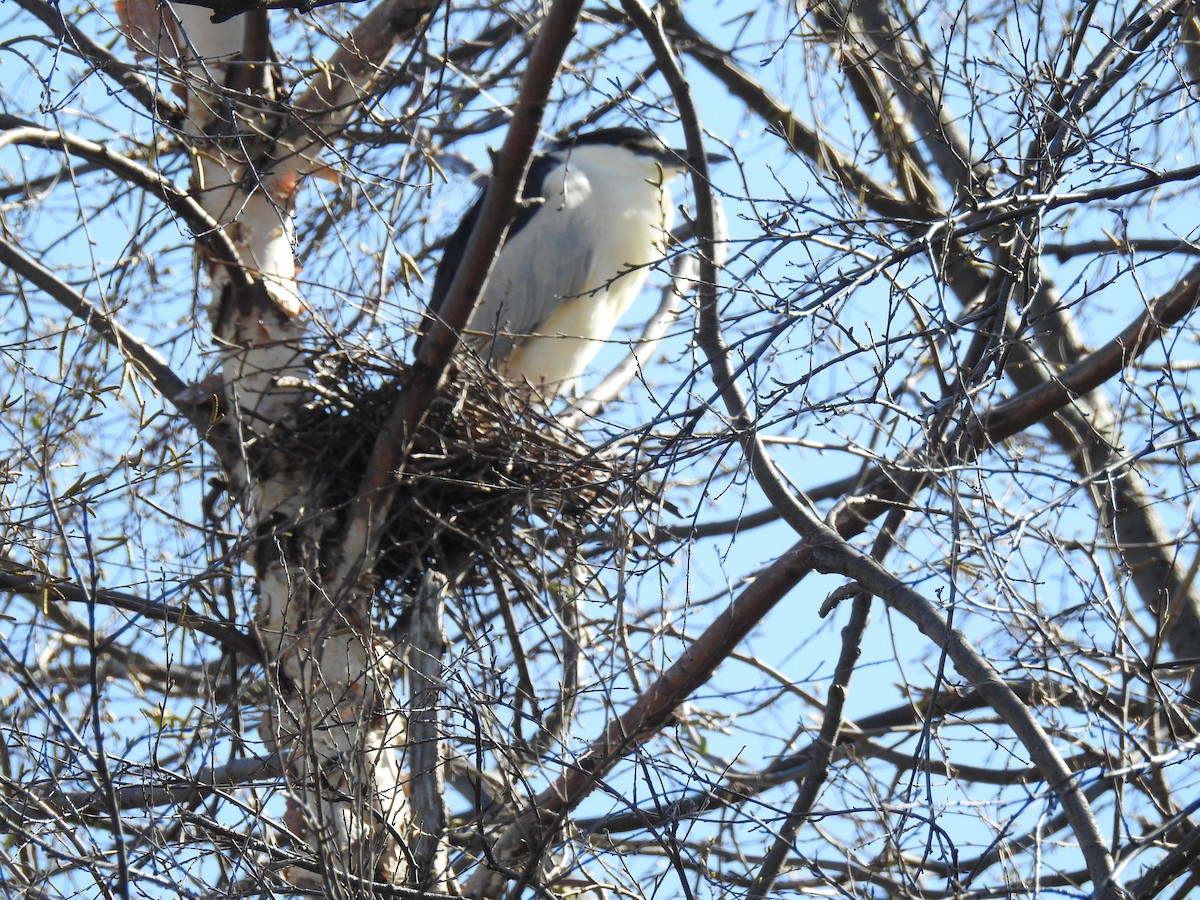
(338, 89)
(821, 751)
(207, 231)
(103, 59)
(1015, 415)
(441, 339)
(39, 586)
(169, 385)
(186, 788)
(426, 751)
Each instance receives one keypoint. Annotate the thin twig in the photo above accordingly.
(156, 369)
(136, 84)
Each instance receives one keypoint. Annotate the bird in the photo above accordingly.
(595, 217)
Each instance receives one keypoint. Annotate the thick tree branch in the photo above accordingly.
(947, 704)
(656, 705)
(442, 335)
(13, 578)
(911, 75)
(1023, 411)
(858, 62)
(839, 557)
(156, 369)
(1184, 857)
(1086, 434)
(1065, 112)
(799, 136)
(426, 755)
(1064, 252)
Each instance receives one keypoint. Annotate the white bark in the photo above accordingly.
(335, 720)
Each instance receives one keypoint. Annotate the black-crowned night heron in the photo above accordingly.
(596, 217)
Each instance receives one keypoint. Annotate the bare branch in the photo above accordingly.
(180, 789)
(345, 77)
(103, 59)
(822, 752)
(207, 231)
(441, 338)
(1093, 370)
(835, 554)
(169, 385)
(13, 579)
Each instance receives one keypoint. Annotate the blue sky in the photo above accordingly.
(842, 363)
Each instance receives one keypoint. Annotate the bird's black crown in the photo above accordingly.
(619, 136)
(635, 140)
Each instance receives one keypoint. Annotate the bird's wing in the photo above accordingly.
(456, 244)
(542, 265)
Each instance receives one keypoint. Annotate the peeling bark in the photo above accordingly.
(336, 720)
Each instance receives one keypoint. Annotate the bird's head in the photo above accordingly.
(624, 147)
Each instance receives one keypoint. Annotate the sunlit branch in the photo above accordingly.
(441, 335)
(426, 753)
(894, 133)
(921, 88)
(1181, 858)
(830, 552)
(1015, 415)
(856, 739)
(1063, 252)
(206, 230)
(822, 751)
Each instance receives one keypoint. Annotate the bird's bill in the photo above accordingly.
(681, 160)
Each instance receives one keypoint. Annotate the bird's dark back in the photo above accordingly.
(456, 246)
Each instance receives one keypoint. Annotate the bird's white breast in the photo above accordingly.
(614, 215)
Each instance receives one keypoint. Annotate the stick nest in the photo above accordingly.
(487, 476)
